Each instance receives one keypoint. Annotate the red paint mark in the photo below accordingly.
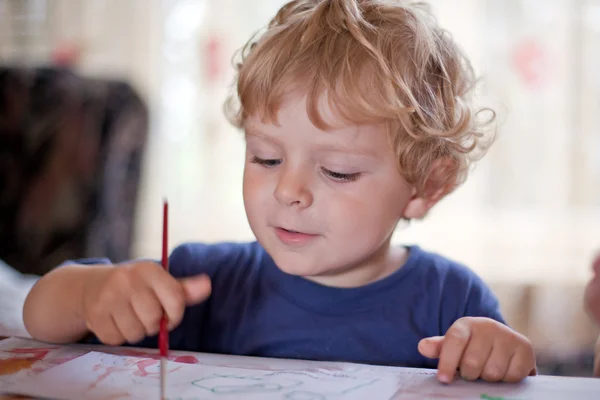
(186, 360)
(142, 365)
(135, 353)
(36, 354)
(118, 396)
(60, 361)
(175, 369)
(189, 359)
(141, 371)
(15, 364)
(108, 371)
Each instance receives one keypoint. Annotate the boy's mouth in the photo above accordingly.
(295, 231)
(290, 236)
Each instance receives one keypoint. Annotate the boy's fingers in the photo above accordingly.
(475, 356)
(519, 367)
(170, 295)
(455, 342)
(430, 347)
(149, 311)
(129, 324)
(497, 364)
(196, 289)
(107, 332)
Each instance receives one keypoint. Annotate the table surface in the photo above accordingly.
(46, 356)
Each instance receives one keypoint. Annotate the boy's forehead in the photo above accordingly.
(364, 140)
(293, 109)
(293, 114)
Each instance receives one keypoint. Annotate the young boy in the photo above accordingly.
(356, 116)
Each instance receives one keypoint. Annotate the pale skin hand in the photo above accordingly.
(597, 359)
(481, 348)
(127, 305)
(592, 305)
(118, 304)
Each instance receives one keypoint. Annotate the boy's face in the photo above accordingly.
(323, 204)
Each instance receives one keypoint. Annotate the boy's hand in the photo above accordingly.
(481, 348)
(126, 303)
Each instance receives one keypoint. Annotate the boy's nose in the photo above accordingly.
(293, 190)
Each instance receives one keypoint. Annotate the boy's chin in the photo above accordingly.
(295, 267)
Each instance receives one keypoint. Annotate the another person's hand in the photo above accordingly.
(126, 303)
(481, 348)
(592, 304)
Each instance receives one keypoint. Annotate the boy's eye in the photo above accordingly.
(266, 162)
(338, 176)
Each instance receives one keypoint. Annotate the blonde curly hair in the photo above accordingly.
(374, 61)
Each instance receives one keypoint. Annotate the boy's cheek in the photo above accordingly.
(256, 186)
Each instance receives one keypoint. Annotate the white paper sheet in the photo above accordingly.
(103, 376)
(99, 376)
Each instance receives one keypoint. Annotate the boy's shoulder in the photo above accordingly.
(454, 287)
(435, 267)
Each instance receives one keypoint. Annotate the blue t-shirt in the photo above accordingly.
(258, 310)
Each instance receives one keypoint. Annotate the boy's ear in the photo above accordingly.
(440, 181)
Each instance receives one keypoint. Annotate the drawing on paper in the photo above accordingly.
(101, 376)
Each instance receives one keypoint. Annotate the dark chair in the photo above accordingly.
(70, 161)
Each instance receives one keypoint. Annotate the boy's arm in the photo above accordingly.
(53, 309)
(118, 304)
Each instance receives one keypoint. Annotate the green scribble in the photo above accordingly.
(225, 384)
(488, 397)
(245, 385)
(359, 386)
(314, 376)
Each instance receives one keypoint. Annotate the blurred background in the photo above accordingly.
(108, 106)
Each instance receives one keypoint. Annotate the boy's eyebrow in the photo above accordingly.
(348, 150)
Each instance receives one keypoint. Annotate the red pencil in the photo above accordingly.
(163, 335)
